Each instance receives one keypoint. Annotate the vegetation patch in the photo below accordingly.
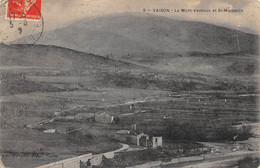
(248, 162)
(166, 153)
(208, 132)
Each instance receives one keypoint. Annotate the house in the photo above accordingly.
(156, 142)
(104, 118)
(136, 138)
(133, 127)
(132, 138)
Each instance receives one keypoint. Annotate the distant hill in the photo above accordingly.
(124, 34)
(157, 42)
(52, 57)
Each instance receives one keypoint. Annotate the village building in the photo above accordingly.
(132, 138)
(104, 118)
(156, 142)
(136, 138)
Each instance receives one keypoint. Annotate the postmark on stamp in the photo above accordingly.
(19, 25)
(23, 9)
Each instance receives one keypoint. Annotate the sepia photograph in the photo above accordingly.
(129, 84)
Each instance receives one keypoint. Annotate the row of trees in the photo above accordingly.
(207, 132)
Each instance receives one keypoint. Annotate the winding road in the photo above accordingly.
(75, 161)
(111, 154)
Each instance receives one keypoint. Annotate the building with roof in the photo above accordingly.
(104, 118)
(136, 138)
(129, 137)
(156, 142)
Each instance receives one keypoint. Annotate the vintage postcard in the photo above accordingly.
(129, 83)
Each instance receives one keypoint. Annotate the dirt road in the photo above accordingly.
(111, 154)
(75, 161)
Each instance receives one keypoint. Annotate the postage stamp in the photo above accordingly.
(22, 23)
(24, 9)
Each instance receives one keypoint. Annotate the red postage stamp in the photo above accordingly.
(24, 9)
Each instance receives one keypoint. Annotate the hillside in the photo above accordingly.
(55, 58)
(33, 68)
(49, 68)
(157, 42)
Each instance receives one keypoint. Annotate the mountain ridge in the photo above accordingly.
(151, 31)
(157, 42)
(124, 34)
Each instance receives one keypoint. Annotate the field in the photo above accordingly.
(208, 108)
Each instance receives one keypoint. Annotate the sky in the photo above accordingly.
(63, 12)
(60, 13)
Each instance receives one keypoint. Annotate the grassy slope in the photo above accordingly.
(49, 65)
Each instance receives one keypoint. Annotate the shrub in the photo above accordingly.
(186, 131)
(229, 133)
(248, 162)
(206, 132)
(79, 138)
